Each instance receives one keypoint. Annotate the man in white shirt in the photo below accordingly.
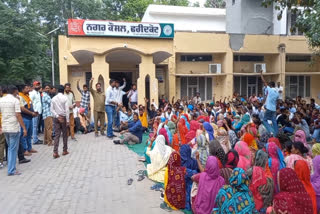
(133, 95)
(197, 98)
(118, 96)
(279, 89)
(35, 97)
(11, 122)
(110, 104)
(60, 111)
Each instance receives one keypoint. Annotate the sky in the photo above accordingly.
(200, 1)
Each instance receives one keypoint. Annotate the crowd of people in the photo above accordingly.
(257, 154)
(234, 155)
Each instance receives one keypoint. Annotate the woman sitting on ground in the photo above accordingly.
(236, 197)
(299, 152)
(210, 183)
(231, 162)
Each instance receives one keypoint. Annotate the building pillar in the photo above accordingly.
(228, 78)
(282, 80)
(147, 67)
(100, 67)
(172, 78)
(63, 64)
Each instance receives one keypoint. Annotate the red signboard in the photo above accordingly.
(75, 27)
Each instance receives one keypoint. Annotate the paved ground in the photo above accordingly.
(92, 179)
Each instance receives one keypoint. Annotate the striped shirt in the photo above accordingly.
(85, 98)
(46, 104)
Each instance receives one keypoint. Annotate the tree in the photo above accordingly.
(307, 12)
(22, 54)
(196, 4)
(215, 3)
(173, 2)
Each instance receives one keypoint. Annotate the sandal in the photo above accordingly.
(164, 206)
(130, 180)
(140, 178)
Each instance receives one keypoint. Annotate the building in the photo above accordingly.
(213, 51)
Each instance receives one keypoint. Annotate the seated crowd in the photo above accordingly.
(226, 157)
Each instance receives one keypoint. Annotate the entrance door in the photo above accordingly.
(192, 90)
(252, 89)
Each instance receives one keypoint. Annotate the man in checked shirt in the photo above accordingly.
(85, 98)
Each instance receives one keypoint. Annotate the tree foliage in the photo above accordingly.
(22, 54)
(215, 3)
(308, 20)
(25, 56)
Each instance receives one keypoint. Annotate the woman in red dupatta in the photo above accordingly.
(175, 186)
(293, 197)
(302, 169)
(180, 137)
(192, 133)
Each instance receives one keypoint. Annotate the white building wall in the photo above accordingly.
(188, 18)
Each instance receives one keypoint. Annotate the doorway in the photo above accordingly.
(119, 77)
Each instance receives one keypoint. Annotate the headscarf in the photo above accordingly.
(276, 162)
(315, 179)
(159, 156)
(249, 139)
(232, 159)
(172, 127)
(194, 126)
(259, 179)
(179, 138)
(316, 149)
(245, 119)
(186, 160)
(163, 132)
(236, 197)
(276, 141)
(217, 150)
(244, 155)
(303, 173)
(175, 191)
(261, 159)
(209, 185)
(300, 136)
(292, 197)
(292, 158)
(202, 149)
(186, 119)
(209, 130)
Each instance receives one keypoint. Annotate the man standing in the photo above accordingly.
(110, 107)
(118, 96)
(197, 99)
(2, 137)
(271, 107)
(85, 97)
(133, 95)
(47, 115)
(60, 110)
(279, 89)
(27, 114)
(37, 107)
(98, 108)
(11, 118)
(71, 103)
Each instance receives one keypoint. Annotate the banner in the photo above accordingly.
(80, 27)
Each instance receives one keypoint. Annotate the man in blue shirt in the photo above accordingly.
(271, 107)
(111, 104)
(133, 135)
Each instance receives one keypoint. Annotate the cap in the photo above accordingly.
(181, 108)
(36, 83)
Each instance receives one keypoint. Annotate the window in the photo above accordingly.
(191, 85)
(247, 85)
(293, 30)
(298, 58)
(248, 58)
(88, 77)
(196, 58)
(297, 86)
